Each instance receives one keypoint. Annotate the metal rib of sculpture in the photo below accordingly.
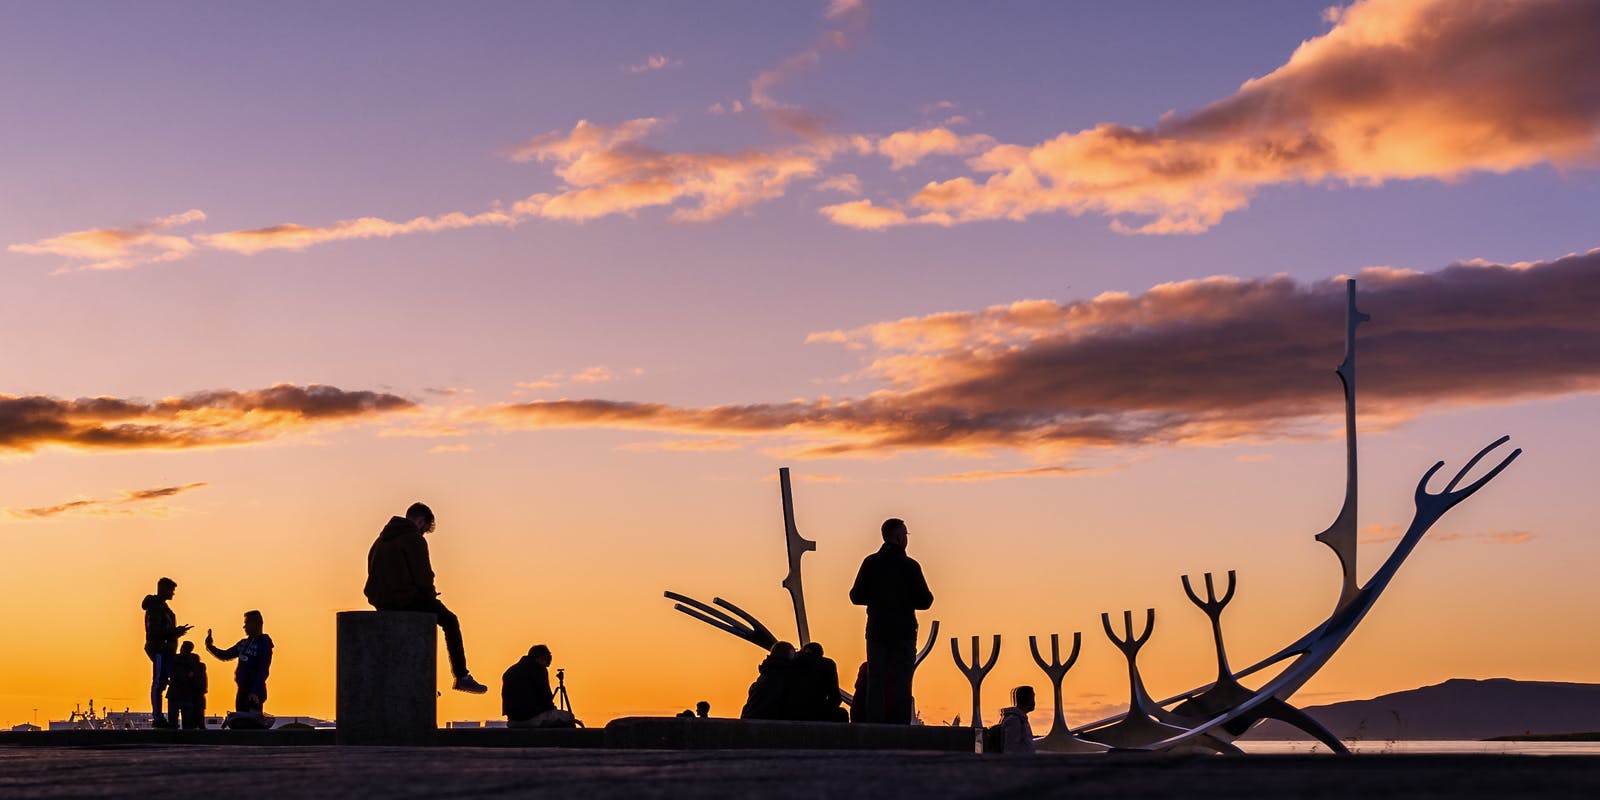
(725, 616)
(1212, 715)
(975, 674)
(1060, 738)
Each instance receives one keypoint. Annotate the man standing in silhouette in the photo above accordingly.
(161, 634)
(254, 652)
(891, 586)
(400, 578)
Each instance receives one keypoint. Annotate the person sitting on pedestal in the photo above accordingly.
(400, 578)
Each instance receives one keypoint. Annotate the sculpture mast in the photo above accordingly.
(1341, 535)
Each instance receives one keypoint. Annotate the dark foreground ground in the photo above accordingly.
(443, 772)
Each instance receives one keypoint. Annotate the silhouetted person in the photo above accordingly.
(702, 710)
(814, 687)
(858, 695)
(161, 634)
(891, 586)
(769, 692)
(1016, 732)
(525, 695)
(254, 653)
(400, 578)
(186, 694)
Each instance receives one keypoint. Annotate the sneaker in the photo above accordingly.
(465, 683)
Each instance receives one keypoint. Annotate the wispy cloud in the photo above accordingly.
(1396, 90)
(651, 64)
(683, 446)
(1003, 474)
(202, 419)
(135, 502)
(608, 171)
(118, 248)
(1388, 532)
(1204, 361)
(848, 19)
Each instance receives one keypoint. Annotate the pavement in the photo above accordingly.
(442, 772)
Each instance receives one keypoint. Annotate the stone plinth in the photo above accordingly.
(387, 682)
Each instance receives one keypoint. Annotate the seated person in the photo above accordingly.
(814, 687)
(768, 695)
(525, 695)
(1018, 734)
(254, 653)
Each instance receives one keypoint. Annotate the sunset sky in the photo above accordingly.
(1060, 284)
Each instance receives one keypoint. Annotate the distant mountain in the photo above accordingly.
(1456, 709)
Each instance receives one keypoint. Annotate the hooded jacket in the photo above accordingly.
(160, 627)
(1018, 733)
(525, 690)
(891, 586)
(770, 690)
(399, 574)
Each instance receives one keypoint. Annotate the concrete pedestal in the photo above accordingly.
(387, 683)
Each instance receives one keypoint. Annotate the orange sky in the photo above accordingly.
(1059, 284)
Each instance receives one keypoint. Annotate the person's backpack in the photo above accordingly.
(994, 738)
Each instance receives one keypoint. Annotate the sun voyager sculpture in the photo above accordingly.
(1208, 717)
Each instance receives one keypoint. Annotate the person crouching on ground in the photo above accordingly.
(525, 695)
(1018, 734)
(186, 694)
(254, 653)
(815, 687)
(769, 692)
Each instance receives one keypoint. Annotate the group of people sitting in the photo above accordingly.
(793, 685)
(182, 675)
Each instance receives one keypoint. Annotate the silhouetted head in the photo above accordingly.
(1022, 698)
(702, 709)
(165, 587)
(420, 516)
(894, 531)
(540, 654)
(782, 650)
(252, 623)
(812, 649)
(188, 647)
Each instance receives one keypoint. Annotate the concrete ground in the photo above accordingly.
(441, 772)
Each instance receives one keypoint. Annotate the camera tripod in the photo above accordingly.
(563, 702)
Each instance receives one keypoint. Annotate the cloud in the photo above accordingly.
(850, 19)
(651, 64)
(290, 236)
(907, 148)
(118, 248)
(683, 446)
(1487, 537)
(1397, 90)
(1196, 362)
(607, 171)
(864, 215)
(136, 502)
(844, 183)
(202, 419)
(1001, 474)
(598, 373)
